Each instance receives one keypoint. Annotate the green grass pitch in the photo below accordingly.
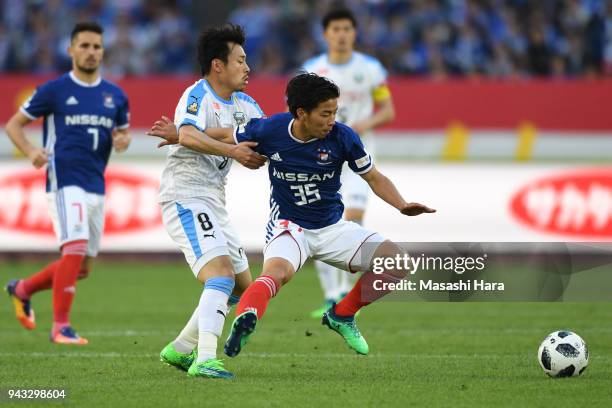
(435, 354)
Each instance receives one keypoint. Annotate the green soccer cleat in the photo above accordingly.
(320, 311)
(347, 328)
(170, 356)
(242, 328)
(212, 368)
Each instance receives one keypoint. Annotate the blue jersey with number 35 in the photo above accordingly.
(78, 121)
(305, 176)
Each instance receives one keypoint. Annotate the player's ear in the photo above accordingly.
(217, 65)
(300, 113)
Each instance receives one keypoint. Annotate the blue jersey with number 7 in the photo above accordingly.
(78, 122)
(305, 176)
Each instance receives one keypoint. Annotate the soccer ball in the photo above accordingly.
(563, 354)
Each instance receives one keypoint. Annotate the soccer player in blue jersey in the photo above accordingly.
(307, 149)
(85, 117)
(365, 104)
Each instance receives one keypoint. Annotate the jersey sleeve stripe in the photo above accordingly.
(27, 114)
(191, 123)
(364, 171)
(244, 97)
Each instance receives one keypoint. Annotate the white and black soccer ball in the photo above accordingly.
(563, 354)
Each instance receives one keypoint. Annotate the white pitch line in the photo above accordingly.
(129, 333)
(78, 354)
(398, 333)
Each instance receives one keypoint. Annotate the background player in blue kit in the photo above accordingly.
(84, 117)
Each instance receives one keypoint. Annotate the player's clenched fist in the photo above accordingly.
(244, 154)
(38, 157)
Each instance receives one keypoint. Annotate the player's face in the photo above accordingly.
(320, 121)
(86, 51)
(236, 72)
(340, 35)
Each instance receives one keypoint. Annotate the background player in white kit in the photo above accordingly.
(192, 195)
(85, 116)
(365, 103)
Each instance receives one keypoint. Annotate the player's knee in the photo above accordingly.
(220, 266)
(279, 269)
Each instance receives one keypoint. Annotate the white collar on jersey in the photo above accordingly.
(295, 138)
(83, 83)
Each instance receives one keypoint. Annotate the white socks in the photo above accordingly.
(212, 311)
(187, 340)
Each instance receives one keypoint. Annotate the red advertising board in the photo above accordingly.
(420, 104)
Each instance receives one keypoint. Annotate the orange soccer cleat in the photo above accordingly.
(23, 308)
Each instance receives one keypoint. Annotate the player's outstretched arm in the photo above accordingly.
(14, 130)
(385, 189)
(243, 153)
(192, 138)
(165, 129)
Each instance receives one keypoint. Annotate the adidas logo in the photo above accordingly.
(276, 157)
(251, 309)
(72, 101)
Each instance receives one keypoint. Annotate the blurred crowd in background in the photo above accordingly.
(438, 38)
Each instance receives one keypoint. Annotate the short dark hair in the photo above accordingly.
(86, 26)
(338, 14)
(213, 44)
(308, 90)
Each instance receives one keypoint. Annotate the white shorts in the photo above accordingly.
(77, 215)
(339, 245)
(201, 228)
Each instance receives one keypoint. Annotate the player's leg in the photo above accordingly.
(330, 285)
(341, 318)
(194, 226)
(21, 290)
(78, 215)
(284, 254)
(217, 275)
(86, 267)
(243, 278)
(346, 281)
(363, 292)
(348, 246)
(336, 282)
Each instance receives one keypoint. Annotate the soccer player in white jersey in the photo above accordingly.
(365, 103)
(192, 196)
(85, 116)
